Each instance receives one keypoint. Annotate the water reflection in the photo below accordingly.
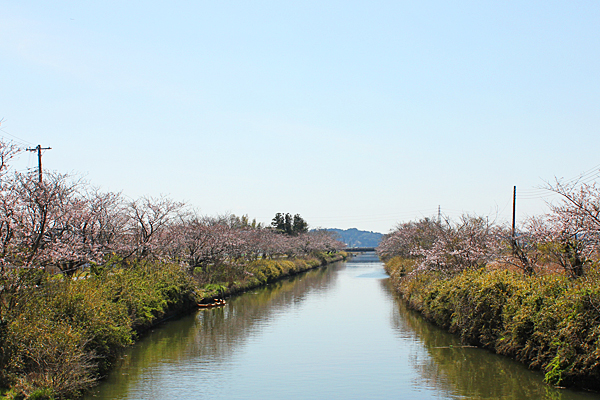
(336, 332)
(209, 336)
(471, 373)
(218, 331)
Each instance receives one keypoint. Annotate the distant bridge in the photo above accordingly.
(358, 249)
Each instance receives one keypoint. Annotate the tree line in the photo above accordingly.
(83, 271)
(566, 239)
(63, 223)
(532, 294)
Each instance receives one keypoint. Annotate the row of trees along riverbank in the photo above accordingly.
(533, 296)
(83, 272)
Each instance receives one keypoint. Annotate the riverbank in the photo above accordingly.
(548, 322)
(59, 335)
(263, 271)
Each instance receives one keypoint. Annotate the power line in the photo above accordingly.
(535, 194)
(534, 197)
(592, 178)
(585, 175)
(21, 141)
(534, 190)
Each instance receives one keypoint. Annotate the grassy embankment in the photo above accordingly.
(58, 336)
(262, 271)
(549, 322)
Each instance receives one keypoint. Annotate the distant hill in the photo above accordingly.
(355, 238)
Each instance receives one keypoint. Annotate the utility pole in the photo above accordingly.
(513, 239)
(39, 149)
(514, 211)
(439, 215)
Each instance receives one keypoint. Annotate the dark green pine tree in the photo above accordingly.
(289, 225)
(300, 225)
(292, 226)
(278, 222)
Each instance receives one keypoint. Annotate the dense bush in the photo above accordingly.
(548, 322)
(148, 290)
(260, 272)
(70, 331)
(58, 335)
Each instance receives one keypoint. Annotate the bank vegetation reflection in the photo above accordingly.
(211, 336)
(471, 373)
(209, 339)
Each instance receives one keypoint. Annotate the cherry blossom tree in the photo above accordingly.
(410, 239)
(108, 221)
(7, 201)
(581, 202)
(520, 251)
(318, 240)
(62, 222)
(569, 235)
(37, 215)
(7, 152)
(470, 243)
(147, 220)
(562, 242)
(88, 227)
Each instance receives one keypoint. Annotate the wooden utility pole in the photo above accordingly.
(513, 239)
(39, 149)
(514, 211)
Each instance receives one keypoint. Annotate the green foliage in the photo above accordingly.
(269, 270)
(71, 330)
(326, 257)
(148, 290)
(399, 266)
(10, 394)
(58, 335)
(550, 322)
(42, 394)
(292, 226)
(88, 305)
(47, 355)
(213, 290)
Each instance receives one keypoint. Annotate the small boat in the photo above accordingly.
(215, 303)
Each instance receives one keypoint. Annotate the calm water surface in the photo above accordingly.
(332, 333)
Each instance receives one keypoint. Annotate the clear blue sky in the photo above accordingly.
(351, 113)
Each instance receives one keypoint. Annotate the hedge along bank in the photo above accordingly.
(548, 322)
(263, 271)
(59, 336)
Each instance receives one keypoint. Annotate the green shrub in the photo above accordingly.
(47, 355)
(58, 335)
(70, 331)
(399, 266)
(148, 290)
(550, 323)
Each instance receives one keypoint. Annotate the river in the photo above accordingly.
(331, 333)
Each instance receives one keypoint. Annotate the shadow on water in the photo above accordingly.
(200, 354)
(471, 373)
(212, 335)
